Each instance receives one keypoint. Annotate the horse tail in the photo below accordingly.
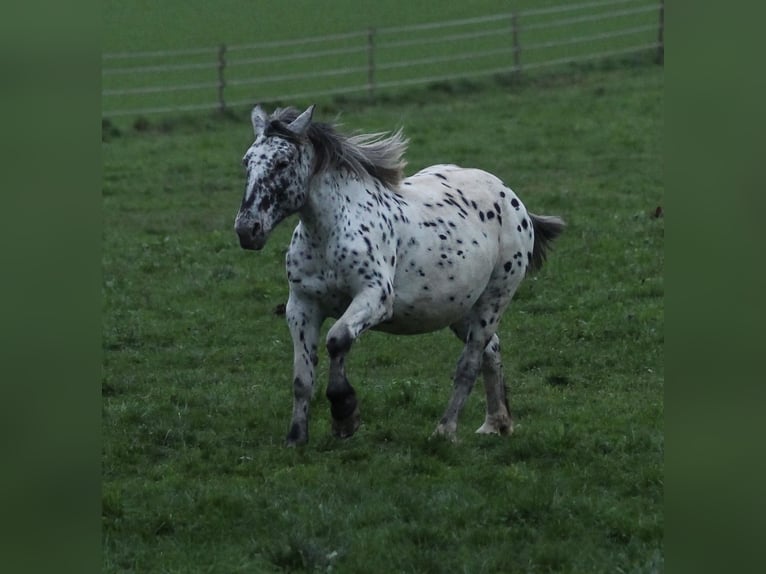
(547, 228)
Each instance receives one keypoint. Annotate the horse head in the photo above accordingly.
(278, 165)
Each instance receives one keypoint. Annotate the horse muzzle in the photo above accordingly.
(251, 235)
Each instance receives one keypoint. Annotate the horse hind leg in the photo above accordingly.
(465, 376)
(481, 354)
(468, 367)
(498, 419)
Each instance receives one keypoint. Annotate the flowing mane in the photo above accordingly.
(379, 155)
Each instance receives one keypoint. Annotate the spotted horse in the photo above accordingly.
(445, 247)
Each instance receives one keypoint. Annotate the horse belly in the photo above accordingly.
(429, 300)
(423, 317)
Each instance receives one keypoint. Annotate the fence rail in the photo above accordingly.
(229, 76)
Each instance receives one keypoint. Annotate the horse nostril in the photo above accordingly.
(256, 228)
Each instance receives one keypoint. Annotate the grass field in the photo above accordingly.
(176, 24)
(197, 364)
(161, 56)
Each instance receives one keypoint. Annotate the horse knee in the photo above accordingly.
(302, 390)
(339, 340)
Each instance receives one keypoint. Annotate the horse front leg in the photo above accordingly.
(366, 310)
(344, 407)
(304, 320)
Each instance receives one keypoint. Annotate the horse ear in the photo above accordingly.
(300, 125)
(259, 119)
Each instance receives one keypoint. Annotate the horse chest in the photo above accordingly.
(333, 272)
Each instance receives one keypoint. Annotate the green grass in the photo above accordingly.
(197, 364)
(176, 24)
(338, 64)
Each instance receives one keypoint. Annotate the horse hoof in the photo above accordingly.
(345, 428)
(445, 432)
(294, 443)
(499, 427)
(297, 436)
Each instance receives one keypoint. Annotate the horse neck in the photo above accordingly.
(329, 197)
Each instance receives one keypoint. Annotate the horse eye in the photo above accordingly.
(281, 164)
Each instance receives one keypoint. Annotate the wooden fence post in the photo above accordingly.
(371, 63)
(661, 35)
(221, 79)
(516, 43)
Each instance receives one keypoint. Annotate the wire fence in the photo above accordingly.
(377, 59)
